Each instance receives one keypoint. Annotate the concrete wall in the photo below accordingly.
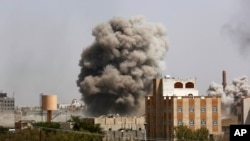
(246, 112)
(118, 123)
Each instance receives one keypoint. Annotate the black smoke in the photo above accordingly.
(117, 68)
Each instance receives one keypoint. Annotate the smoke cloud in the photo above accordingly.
(232, 94)
(117, 68)
(239, 28)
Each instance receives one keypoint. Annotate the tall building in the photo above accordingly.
(7, 104)
(176, 102)
(243, 110)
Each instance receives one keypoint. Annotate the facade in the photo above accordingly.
(120, 128)
(225, 124)
(7, 104)
(176, 102)
(243, 110)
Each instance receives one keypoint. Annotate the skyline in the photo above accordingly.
(41, 42)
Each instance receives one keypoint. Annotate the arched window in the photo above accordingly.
(178, 85)
(189, 85)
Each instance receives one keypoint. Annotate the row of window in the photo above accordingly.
(7, 105)
(203, 109)
(7, 101)
(203, 122)
(7, 108)
(187, 85)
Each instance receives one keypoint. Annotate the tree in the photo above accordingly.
(54, 125)
(82, 125)
(183, 133)
(201, 134)
(3, 130)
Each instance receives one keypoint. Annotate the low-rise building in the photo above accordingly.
(120, 128)
(24, 124)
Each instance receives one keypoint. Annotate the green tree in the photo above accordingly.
(3, 130)
(82, 125)
(201, 134)
(54, 125)
(183, 133)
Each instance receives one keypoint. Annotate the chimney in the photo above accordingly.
(224, 79)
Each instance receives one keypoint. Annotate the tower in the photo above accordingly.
(224, 79)
(49, 103)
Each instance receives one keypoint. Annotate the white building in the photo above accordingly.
(179, 86)
(74, 104)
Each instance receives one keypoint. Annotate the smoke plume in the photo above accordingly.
(117, 68)
(239, 28)
(232, 94)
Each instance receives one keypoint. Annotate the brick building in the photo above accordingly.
(175, 102)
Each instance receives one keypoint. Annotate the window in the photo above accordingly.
(179, 122)
(189, 85)
(179, 109)
(203, 109)
(191, 109)
(214, 109)
(215, 122)
(178, 85)
(203, 122)
(191, 122)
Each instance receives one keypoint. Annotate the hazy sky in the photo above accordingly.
(41, 41)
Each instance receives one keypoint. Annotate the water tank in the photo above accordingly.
(49, 102)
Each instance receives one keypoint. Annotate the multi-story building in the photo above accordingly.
(176, 102)
(6, 103)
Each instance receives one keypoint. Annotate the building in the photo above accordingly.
(243, 110)
(75, 105)
(225, 124)
(120, 128)
(7, 104)
(176, 102)
(24, 124)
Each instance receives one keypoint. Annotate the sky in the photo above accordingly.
(41, 41)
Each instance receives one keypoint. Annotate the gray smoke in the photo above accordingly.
(239, 28)
(232, 94)
(117, 68)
